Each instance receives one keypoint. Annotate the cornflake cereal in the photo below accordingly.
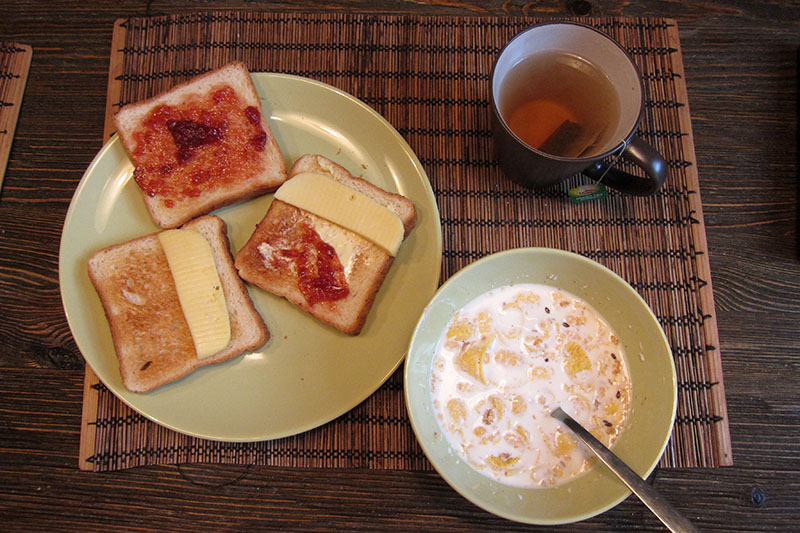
(506, 360)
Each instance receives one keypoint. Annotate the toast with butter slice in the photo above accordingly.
(175, 304)
(201, 145)
(327, 242)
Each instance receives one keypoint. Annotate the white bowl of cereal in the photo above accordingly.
(511, 337)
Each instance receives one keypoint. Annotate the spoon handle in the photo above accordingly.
(670, 516)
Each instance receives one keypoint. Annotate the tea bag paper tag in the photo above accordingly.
(588, 193)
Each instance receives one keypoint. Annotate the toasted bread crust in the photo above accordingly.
(150, 334)
(366, 270)
(170, 186)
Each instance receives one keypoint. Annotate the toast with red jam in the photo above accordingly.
(328, 271)
(201, 145)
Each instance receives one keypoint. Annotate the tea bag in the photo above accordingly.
(570, 139)
(594, 147)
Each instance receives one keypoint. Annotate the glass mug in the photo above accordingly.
(575, 90)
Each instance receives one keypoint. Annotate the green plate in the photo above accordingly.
(649, 358)
(308, 373)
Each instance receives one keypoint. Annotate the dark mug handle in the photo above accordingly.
(641, 154)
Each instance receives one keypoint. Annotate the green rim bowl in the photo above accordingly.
(652, 374)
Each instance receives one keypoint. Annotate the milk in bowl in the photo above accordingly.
(505, 361)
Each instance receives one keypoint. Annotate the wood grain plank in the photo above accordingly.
(193, 498)
(740, 62)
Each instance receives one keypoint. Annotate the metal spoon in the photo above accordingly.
(670, 516)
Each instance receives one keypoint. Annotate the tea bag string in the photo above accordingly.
(614, 159)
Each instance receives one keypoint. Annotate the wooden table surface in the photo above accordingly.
(741, 60)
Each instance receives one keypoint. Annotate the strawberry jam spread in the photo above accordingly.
(189, 135)
(290, 248)
(319, 272)
(203, 143)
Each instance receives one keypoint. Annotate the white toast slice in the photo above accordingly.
(150, 333)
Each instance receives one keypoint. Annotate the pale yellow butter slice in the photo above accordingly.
(344, 206)
(199, 289)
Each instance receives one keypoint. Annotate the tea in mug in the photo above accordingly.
(560, 104)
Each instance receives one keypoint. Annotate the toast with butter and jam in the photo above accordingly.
(174, 303)
(327, 242)
(201, 145)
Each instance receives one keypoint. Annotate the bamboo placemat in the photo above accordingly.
(429, 77)
(15, 60)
